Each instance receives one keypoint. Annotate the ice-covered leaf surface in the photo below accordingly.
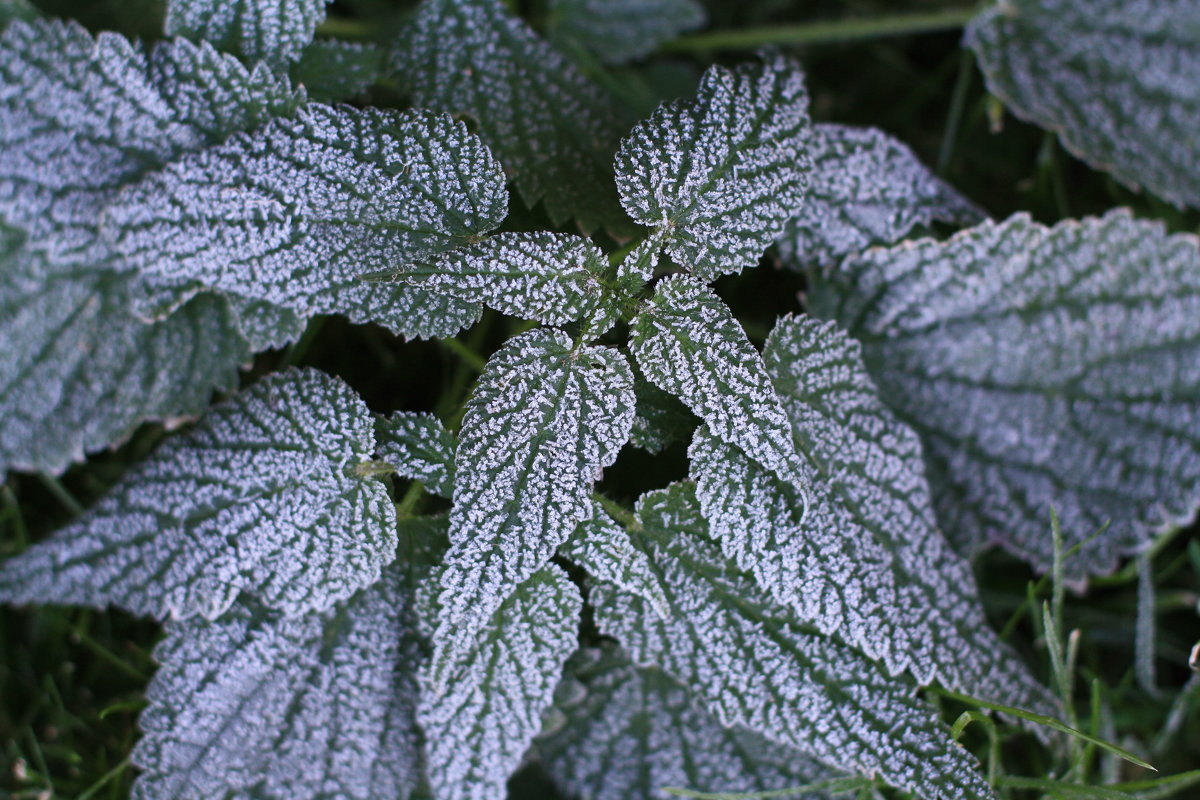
(545, 419)
(296, 212)
(332, 70)
(754, 665)
(478, 731)
(628, 732)
(868, 564)
(553, 130)
(418, 447)
(617, 31)
(687, 342)
(603, 549)
(1043, 368)
(274, 31)
(309, 707)
(1114, 78)
(723, 173)
(261, 497)
(866, 188)
(553, 278)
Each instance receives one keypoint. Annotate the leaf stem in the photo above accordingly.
(842, 30)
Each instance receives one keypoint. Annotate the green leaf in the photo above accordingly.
(554, 131)
(629, 732)
(553, 278)
(420, 448)
(755, 665)
(294, 213)
(1115, 80)
(308, 707)
(16, 9)
(867, 564)
(478, 731)
(603, 549)
(661, 420)
(260, 497)
(274, 31)
(545, 419)
(333, 71)
(866, 188)
(618, 31)
(720, 175)
(1043, 368)
(687, 342)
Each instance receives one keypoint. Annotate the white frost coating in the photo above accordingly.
(310, 707)
(477, 732)
(603, 549)
(1115, 78)
(554, 278)
(629, 732)
(544, 420)
(866, 188)
(1044, 368)
(868, 565)
(553, 129)
(420, 448)
(722, 174)
(274, 31)
(79, 372)
(687, 342)
(296, 212)
(618, 31)
(260, 497)
(754, 665)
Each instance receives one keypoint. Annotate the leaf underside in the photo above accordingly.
(274, 31)
(619, 31)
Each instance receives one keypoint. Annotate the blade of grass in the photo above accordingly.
(836, 786)
(1061, 788)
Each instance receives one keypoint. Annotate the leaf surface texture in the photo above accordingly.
(274, 31)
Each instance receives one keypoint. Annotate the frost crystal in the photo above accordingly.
(477, 732)
(260, 497)
(866, 188)
(602, 547)
(1043, 368)
(420, 448)
(1114, 78)
(545, 419)
(274, 31)
(722, 174)
(617, 31)
(554, 131)
(754, 665)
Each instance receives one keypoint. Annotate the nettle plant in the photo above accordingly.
(172, 209)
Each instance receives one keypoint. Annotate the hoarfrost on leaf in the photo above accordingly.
(1043, 368)
(722, 174)
(753, 664)
(618, 31)
(629, 732)
(260, 497)
(603, 549)
(306, 707)
(274, 31)
(545, 419)
(554, 131)
(418, 447)
(478, 731)
(1114, 78)
(866, 188)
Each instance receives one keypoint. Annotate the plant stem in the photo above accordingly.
(842, 30)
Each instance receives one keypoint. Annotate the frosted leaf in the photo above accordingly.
(274, 31)
(79, 372)
(722, 174)
(554, 278)
(332, 70)
(868, 564)
(603, 549)
(754, 665)
(661, 420)
(308, 707)
(262, 496)
(477, 733)
(866, 188)
(294, 213)
(1114, 78)
(637, 268)
(618, 31)
(418, 447)
(544, 420)
(631, 731)
(1043, 368)
(554, 131)
(687, 342)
